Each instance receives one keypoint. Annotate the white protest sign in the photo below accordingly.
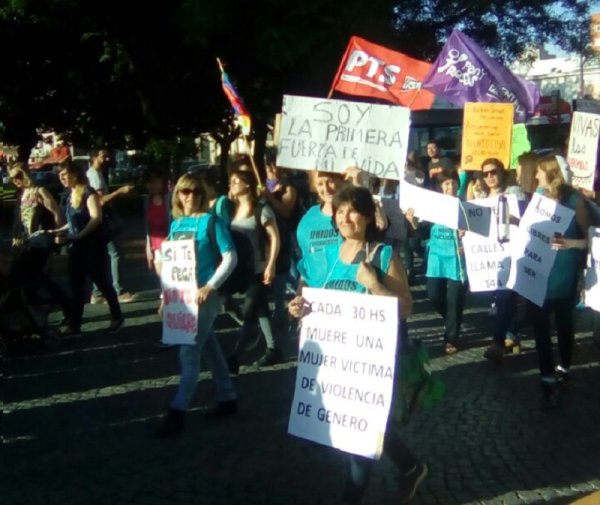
(592, 274)
(179, 285)
(583, 149)
(488, 260)
(532, 254)
(443, 209)
(345, 371)
(333, 135)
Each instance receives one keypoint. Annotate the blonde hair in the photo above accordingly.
(557, 189)
(313, 175)
(81, 181)
(188, 181)
(528, 163)
(21, 168)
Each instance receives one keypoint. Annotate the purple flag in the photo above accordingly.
(464, 72)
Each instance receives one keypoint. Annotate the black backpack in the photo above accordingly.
(243, 274)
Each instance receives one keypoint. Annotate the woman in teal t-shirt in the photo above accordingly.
(352, 266)
(190, 221)
(446, 280)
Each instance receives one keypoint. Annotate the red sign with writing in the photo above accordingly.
(371, 70)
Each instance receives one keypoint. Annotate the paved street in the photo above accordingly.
(77, 421)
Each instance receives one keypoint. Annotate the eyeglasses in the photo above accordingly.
(189, 191)
(489, 173)
(17, 177)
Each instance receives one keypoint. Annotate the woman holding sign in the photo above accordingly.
(360, 264)
(191, 221)
(561, 291)
(446, 279)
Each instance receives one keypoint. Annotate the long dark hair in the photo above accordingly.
(361, 200)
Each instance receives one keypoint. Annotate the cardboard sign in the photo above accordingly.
(179, 288)
(488, 260)
(583, 149)
(520, 143)
(592, 274)
(487, 133)
(532, 254)
(333, 135)
(443, 209)
(345, 371)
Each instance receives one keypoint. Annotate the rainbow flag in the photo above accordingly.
(235, 100)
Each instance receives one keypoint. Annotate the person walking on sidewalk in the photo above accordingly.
(87, 247)
(190, 220)
(98, 160)
(361, 264)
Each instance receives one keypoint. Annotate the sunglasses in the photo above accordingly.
(489, 173)
(17, 177)
(189, 191)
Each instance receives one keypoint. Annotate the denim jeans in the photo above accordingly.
(359, 470)
(506, 314)
(190, 357)
(115, 268)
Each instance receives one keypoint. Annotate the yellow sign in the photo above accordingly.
(487, 133)
(595, 31)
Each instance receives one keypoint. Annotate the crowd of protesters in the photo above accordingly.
(340, 242)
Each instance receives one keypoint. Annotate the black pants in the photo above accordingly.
(448, 299)
(255, 305)
(563, 317)
(90, 258)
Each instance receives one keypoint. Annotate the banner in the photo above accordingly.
(592, 274)
(378, 72)
(464, 72)
(345, 373)
(487, 133)
(583, 149)
(520, 144)
(532, 254)
(179, 287)
(443, 209)
(595, 31)
(333, 135)
(488, 260)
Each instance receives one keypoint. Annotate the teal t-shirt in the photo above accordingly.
(196, 228)
(562, 281)
(443, 261)
(324, 269)
(315, 231)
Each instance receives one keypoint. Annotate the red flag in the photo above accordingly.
(371, 70)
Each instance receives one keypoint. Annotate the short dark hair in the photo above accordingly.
(447, 175)
(432, 141)
(361, 201)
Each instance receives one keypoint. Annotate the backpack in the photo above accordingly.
(243, 273)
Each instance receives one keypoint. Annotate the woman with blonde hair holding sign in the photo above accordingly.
(191, 221)
(561, 291)
(361, 264)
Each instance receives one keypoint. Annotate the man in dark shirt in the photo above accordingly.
(437, 164)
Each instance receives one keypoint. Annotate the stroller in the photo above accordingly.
(25, 297)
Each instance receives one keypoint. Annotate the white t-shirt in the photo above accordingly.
(96, 180)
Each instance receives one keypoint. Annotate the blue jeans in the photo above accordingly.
(190, 357)
(115, 269)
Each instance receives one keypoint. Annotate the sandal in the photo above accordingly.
(451, 348)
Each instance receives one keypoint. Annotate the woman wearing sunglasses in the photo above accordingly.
(190, 221)
(496, 179)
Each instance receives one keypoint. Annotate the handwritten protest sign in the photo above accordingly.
(178, 277)
(488, 260)
(443, 209)
(592, 274)
(520, 143)
(583, 149)
(487, 133)
(532, 254)
(332, 135)
(345, 371)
